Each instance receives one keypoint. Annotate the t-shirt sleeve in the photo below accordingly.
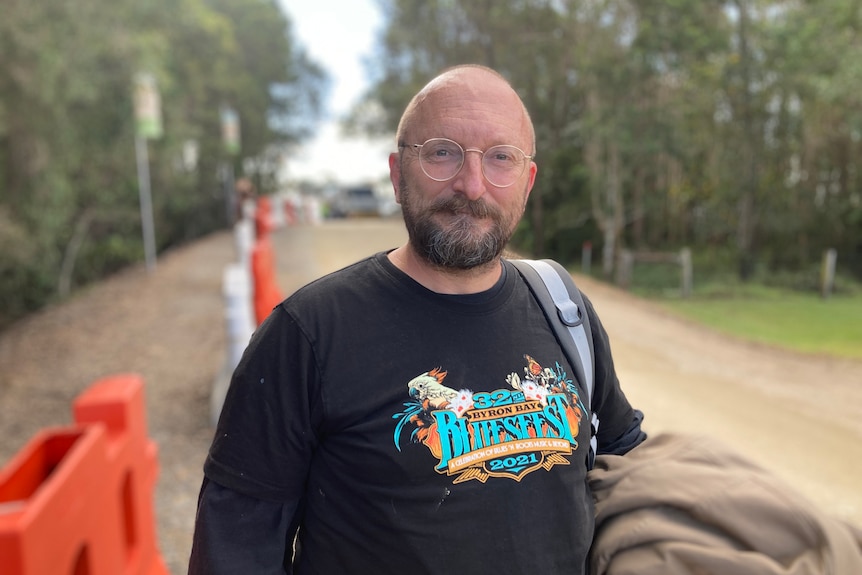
(266, 433)
(235, 533)
(618, 421)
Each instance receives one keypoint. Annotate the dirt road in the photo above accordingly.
(799, 416)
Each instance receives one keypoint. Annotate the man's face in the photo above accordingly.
(454, 231)
(463, 222)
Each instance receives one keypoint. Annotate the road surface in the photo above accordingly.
(799, 416)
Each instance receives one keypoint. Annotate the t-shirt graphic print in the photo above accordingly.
(510, 432)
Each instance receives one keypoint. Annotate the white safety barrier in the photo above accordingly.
(276, 215)
(243, 232)
(239, 321)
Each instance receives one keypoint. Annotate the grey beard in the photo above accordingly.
(457, 247)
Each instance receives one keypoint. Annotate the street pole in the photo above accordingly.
(146, 201)
(148, 125)
(231, 142)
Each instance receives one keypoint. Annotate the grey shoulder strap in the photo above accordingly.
(570, 311)
(561, 294)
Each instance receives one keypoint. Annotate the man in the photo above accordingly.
(414, 413)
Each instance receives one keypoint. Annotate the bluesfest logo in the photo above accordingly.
(505, 433)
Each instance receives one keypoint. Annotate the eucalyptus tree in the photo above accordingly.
(816, 48)
(671, 57)
(635, 63)
(729, 124)
(785, 118)
(67, 157)
(600, 77)
(64, 68)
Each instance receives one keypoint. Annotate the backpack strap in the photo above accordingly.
(564, 308)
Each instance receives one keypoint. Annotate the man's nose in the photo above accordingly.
(470, 179)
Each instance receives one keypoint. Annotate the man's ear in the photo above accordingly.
(395, 174)
(531, 180)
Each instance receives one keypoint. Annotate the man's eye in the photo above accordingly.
(442, 153)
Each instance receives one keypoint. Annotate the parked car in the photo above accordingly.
(356, 202)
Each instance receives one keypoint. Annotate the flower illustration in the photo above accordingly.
(461, 402)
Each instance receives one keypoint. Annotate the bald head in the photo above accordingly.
(458, 90)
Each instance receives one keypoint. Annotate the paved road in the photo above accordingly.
(799, 416)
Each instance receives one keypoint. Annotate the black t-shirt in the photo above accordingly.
(417, 432)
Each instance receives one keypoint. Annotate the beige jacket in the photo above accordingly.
(685, 505)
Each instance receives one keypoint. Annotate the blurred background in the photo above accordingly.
(704, 156)
(731, 128)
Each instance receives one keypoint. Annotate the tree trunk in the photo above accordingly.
(746, 204)
(70, 255)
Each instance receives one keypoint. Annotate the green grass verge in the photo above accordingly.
(800, 322)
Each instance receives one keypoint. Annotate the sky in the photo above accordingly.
(338, 35)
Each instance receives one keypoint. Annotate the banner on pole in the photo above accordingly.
(230, 130)
(148, 107)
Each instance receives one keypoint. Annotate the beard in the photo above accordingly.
(457, 243)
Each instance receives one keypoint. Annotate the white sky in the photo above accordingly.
(338, 35)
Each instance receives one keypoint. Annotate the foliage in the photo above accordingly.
(730, 126)
(69, 208)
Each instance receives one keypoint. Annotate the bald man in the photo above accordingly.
(414, 412)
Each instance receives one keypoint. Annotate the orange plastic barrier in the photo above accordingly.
(267, 295)
(78, 500)
(263, 223)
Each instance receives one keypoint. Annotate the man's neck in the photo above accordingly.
(445, 280)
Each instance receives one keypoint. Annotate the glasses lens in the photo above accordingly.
(440, 158)
(503, 165)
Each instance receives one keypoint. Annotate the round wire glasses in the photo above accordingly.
(441, 159)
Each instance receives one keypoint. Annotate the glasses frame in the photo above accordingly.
(418, 147)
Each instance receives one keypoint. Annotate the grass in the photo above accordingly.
(784, 310)
(800, 322)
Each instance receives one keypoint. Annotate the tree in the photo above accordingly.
(729, 125)
(67, 168)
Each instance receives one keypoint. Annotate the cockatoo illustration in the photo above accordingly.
(429, 389)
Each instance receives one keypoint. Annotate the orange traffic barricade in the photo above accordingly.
(78, 500)
(266, 293)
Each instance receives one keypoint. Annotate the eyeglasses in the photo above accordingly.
(441, 159)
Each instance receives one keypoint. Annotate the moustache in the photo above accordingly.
(462, 205)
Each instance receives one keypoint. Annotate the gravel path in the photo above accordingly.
(799, 415)
(167, 325)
